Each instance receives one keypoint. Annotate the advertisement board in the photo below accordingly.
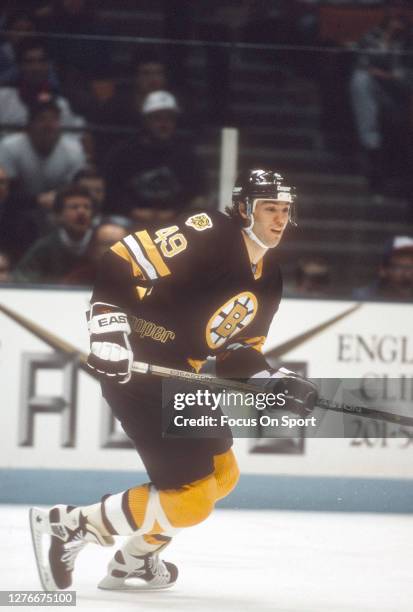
(54, 418)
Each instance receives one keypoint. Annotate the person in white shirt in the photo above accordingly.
(42, 159)
(34, 83)
(39, 162)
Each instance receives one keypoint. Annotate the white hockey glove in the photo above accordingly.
(110, 351)
(300, 393)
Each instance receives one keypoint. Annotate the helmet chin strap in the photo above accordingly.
(249, 229)
(254, 237)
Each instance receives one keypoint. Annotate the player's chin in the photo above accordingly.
(273, 240)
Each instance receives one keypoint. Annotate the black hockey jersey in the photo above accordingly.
(190, 292)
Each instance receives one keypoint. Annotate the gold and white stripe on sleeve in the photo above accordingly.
(143, 255)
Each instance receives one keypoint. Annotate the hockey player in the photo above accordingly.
(207, 285)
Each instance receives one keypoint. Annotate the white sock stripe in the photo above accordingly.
(140, 257)
(155, 512)
(115, 514)
(149, 519)
(159, 513)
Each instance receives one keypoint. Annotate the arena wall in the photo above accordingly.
(58, 442)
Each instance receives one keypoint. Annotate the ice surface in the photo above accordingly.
(256, 561)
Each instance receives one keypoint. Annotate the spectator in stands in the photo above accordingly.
(82, 57)
(75, 54)
(312, 278)
(50, 258)
(109, 231)
(156, 168)
(17, 24)
(33, 85)
(395, 275)
(148, 74)
(380, 90)
(42, 159)
(90, 148)
(8, 222)
(5, 267)
(95, 183)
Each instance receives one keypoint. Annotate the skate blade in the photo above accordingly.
(39, 526)
(119, 584)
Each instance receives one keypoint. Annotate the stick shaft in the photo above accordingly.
(140, 367)
(364, 411)
(146, 368)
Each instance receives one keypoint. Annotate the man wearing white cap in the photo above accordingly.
(157, 172)
(160, 114)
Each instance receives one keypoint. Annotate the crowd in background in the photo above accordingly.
(64, 191)
(70, 186)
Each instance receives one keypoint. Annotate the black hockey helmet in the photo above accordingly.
(260, 183)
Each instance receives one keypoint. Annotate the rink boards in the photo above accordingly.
(57, 437)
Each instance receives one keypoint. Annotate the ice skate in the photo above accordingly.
(70, 532)
(127, 572)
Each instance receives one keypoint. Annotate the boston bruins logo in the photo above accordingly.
(231, 318)
(200, 222)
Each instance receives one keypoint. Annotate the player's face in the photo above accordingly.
(270, 220)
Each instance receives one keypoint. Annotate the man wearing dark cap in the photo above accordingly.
(395, 277)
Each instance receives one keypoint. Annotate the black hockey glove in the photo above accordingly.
(300, 393)
(110, 351)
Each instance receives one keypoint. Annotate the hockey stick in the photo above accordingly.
(140, 367)
(144, 368)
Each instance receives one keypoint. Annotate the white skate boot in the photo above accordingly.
(128, 572)
(70, 532)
